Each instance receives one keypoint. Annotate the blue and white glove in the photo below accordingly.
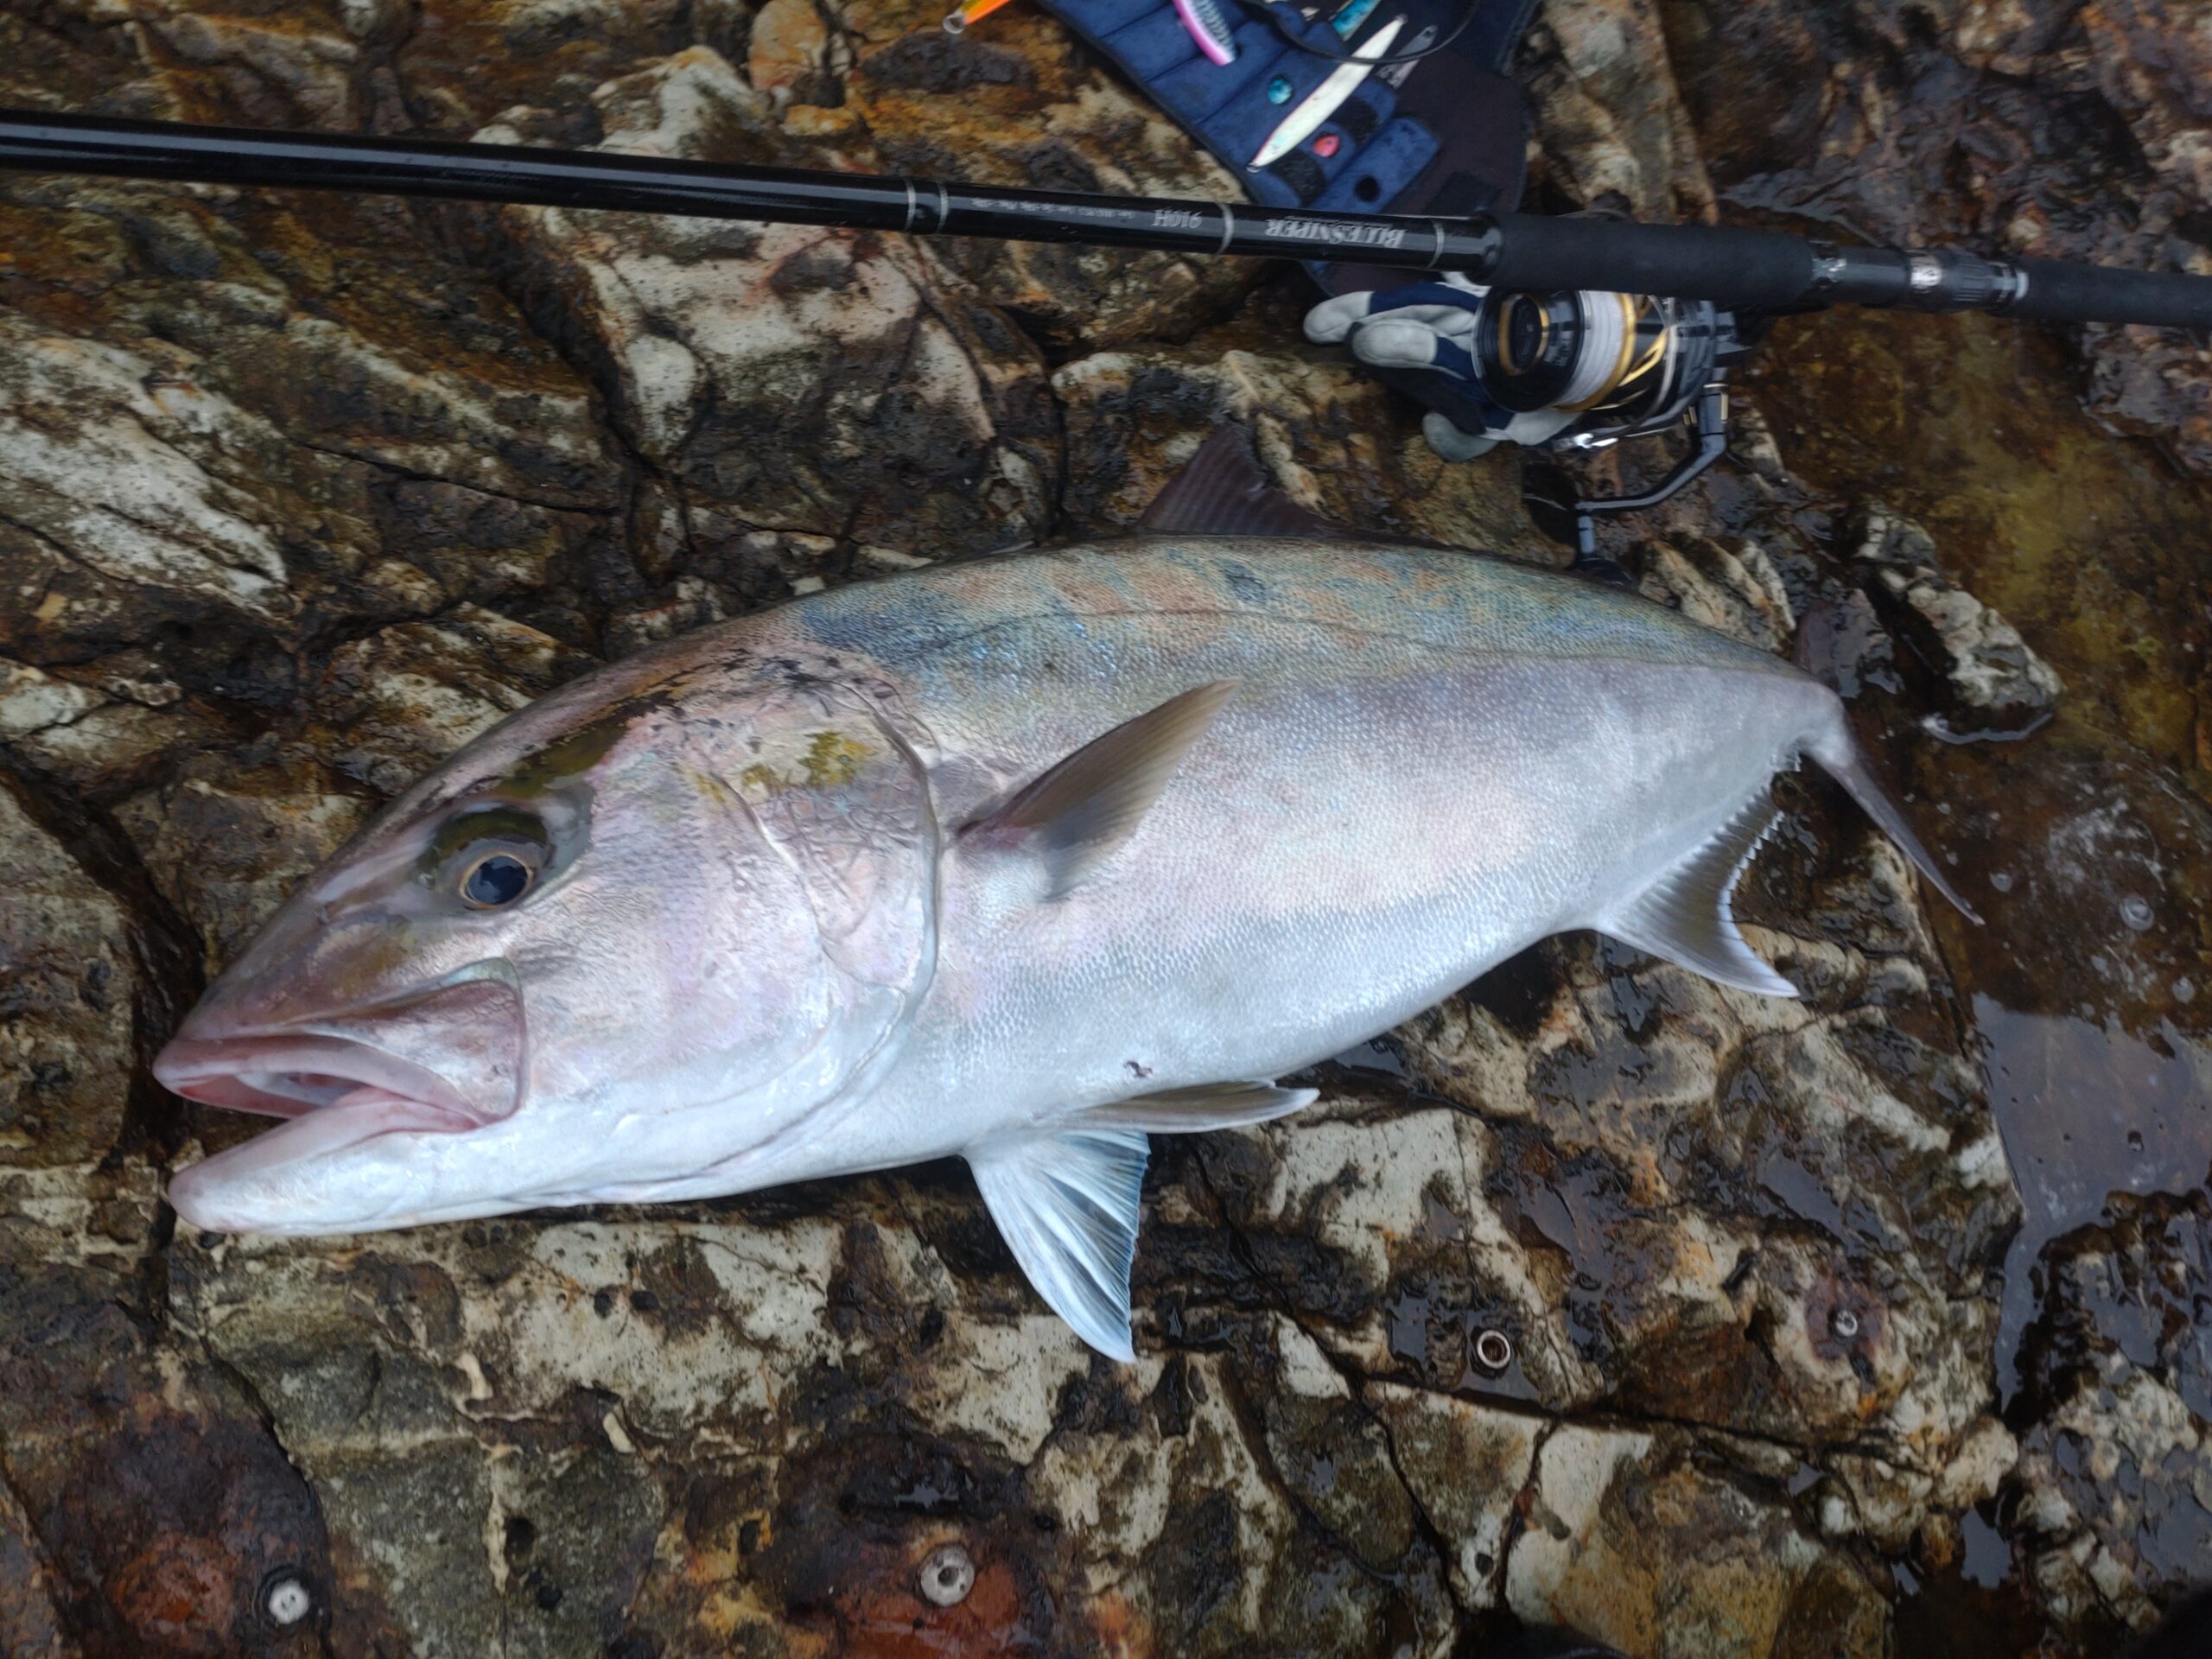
(1419, 338)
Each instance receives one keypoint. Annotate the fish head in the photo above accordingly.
(576, 961)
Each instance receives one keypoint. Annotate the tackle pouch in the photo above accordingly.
(1443, 133)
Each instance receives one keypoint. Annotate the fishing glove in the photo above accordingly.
(1419, 338)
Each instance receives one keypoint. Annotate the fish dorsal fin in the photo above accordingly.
(1067, 1205)
(1087, 804)
(1211, 1106)
(1222, 491)
(1685, 916)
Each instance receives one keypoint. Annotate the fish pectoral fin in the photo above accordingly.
(1087, 805)
(1210, 1106)
(1067, 1205)
(1685, 916)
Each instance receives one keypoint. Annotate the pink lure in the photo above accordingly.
(1209, 29)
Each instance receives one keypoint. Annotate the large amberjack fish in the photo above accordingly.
(1023, 859)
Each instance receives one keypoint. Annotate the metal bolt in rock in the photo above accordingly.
(1493, 1350)
(948, 1574)
(287, 1600)
(1844, 1323)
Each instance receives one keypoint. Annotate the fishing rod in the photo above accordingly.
(1595, 329)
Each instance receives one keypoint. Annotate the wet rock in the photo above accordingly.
(1634, 1538)
(1990, 668)
(161, 1503)
(2057, 132)
(1467, 1466)
(85, 418)
(69, 993)
(91, 729)
(1017, 101)
(1734, 590)
(1612, 127)
(591, 1417)
(462, 65)
(1328, 437)
(402, 699)
(298, 493)
(2151, 67)
(234, 428)
(31, 1623)
(233, 833)
(819, 381)
(2114, 1487)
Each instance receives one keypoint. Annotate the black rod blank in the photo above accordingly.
(1760, 269)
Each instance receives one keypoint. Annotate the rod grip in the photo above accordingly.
(1755, 270)
(2059, 292)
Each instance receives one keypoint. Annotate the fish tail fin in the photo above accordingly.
(1840, 756)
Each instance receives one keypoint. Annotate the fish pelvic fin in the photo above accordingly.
(1840, 757)
(1067, 1205)
(1065, 1202)
(1081, 810)
(1686, 915)
(1211, 1106)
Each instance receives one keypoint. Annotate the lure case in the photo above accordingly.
(1442, 135)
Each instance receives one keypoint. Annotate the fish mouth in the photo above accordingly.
(334, 1094)
(289, 1075)
(335, 1091)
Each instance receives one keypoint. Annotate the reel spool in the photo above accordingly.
(1608, 365)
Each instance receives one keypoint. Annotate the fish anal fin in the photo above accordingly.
(1080, 811)
(1210, 1106)
(1222, 491)
(1685, 916)
(1067, 1205)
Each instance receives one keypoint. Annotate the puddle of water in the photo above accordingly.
(2087, 1110)
(1975, 1606)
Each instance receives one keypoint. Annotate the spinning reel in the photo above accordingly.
(1581, 369)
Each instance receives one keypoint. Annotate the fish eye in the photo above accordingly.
(494, 879)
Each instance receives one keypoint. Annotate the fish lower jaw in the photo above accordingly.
(305, 1175)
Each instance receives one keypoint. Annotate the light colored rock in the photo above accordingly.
(402, 699)
(1628, 1539)
(806, 379)
(1988, 665)
(1466, 1465)
(1733, 588)
(121, 466)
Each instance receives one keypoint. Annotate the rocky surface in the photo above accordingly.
(1597, 1294)
(2116, 1476)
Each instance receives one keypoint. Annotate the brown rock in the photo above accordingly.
(69, 994)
